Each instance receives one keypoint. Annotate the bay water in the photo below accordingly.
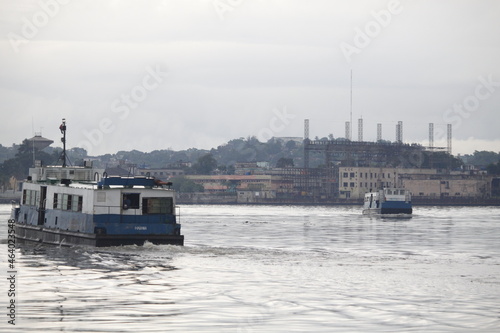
(270, 269)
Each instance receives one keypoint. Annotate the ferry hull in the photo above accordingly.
(388, 203)
(35, 234)
(398, 212)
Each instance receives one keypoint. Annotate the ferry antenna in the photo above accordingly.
(62, 127)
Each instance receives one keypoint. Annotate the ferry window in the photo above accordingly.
(25, 194)
(74, 203)
(389, 191)
(60, 201)
(55, 201)
(80, 203)
(157, 205)
(131, 200)
(68, 202)
(33, 197)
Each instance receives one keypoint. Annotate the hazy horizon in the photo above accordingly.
(198, 73)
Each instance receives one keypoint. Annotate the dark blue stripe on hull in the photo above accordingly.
(115, 224)
(28, 233)
(396, 210)
(396, 207)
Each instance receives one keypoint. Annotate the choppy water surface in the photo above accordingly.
(273, 269)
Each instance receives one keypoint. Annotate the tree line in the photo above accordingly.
(16, 160)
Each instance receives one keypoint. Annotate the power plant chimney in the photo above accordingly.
(431, 135)
(449, 138)
(399, 132)
(360, 129)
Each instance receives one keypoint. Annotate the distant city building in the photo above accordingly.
(354, 182)
(250, 168)
(237, 182)
(179, 165)
(447, 185)
(161, 173)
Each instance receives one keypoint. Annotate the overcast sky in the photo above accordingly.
(177, 74)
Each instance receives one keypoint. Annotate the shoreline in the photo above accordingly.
(207, 200)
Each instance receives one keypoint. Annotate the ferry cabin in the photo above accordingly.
(120, 210)
(388, 201)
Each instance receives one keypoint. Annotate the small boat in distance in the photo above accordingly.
(388, 202)
(82, 205)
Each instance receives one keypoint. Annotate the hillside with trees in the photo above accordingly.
(481, 159)
(276, 152)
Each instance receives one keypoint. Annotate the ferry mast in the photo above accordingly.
(62, 127)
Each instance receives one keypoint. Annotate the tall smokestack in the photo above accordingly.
(360, 129)
(399, 132)
(449, 138)
(431, 135)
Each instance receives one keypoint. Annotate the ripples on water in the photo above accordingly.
(273, 269)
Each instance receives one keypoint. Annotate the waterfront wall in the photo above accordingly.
(213, 199)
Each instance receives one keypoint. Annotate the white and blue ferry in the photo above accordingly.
(63, 205)
(388, 201)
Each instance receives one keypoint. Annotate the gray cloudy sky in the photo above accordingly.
(177, 74)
